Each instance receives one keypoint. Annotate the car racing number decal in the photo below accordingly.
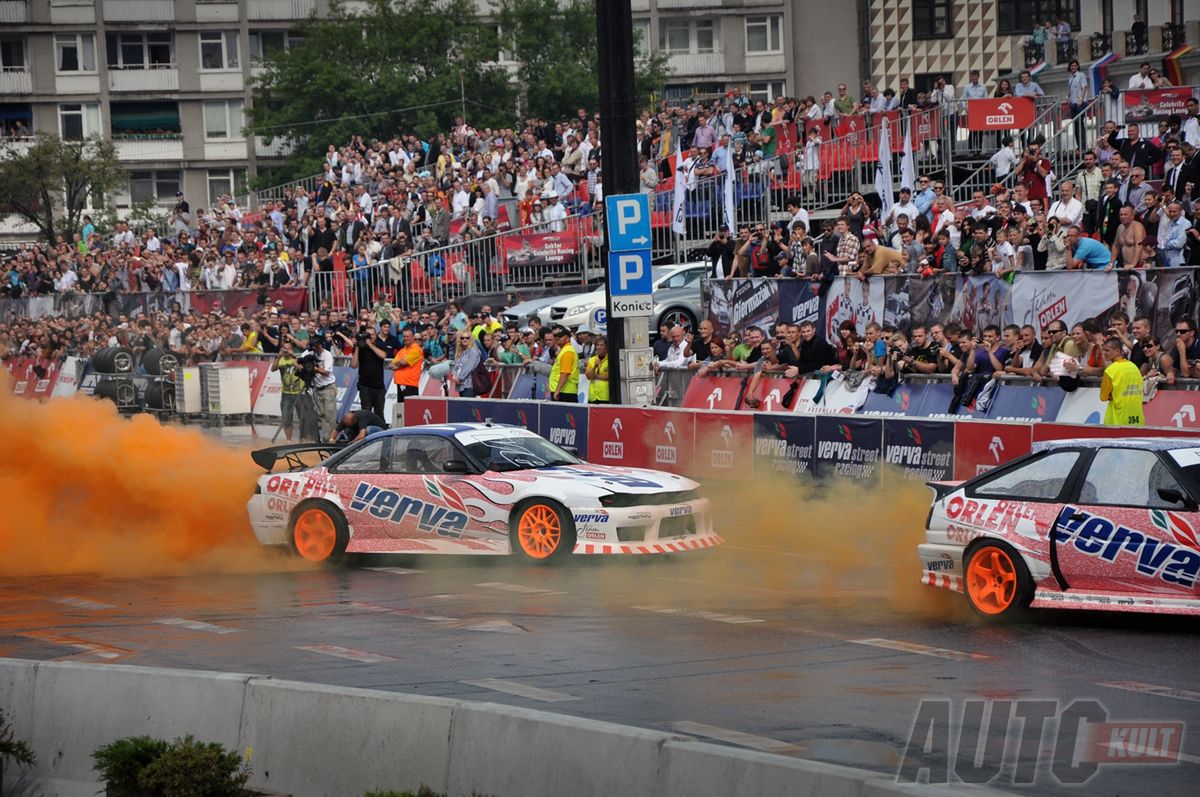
(390, 506)
(1097, 536)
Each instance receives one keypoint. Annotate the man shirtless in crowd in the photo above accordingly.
(1127, 247)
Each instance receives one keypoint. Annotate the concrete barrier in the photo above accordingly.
(306, 739)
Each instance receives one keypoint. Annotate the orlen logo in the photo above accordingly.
(395, 508)
(668, 454)
(614, 450)
(1005, 116)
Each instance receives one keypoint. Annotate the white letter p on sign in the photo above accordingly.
(628, 215)
(629, 269)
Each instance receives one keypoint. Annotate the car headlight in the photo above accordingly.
(579, 308)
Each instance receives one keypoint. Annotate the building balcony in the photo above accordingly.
(19, 147)
(74, 12)
(149, 148)
(216, 12)
(758, 64)
(280, 9)
(164, 79)
(13, 12)
(77, 84)
(225, 150)
(139, 10)
(689, 4)
(278, 148)
(16, 80)
(225, 80)
(696, 64)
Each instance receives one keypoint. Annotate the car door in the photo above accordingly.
(358, 476)
(1018, 502)
(1131, 528)
(413, 504)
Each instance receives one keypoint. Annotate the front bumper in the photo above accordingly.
(645, 529)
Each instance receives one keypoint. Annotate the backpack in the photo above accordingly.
(760, 259)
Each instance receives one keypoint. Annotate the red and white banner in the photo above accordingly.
(541, 249)
(1068, 296)
(1000, 113)
(1151, 105)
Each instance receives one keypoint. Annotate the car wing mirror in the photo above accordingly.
(455, 466)
(1171, 495)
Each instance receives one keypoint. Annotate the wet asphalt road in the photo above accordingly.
(750, 644)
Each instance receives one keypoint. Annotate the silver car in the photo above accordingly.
(676, 299)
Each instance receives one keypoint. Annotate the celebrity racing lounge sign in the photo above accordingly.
(1000, 113)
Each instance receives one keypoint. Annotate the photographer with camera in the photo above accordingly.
(371, 351)
(291, 386)
(1053, 241)
(323, 386)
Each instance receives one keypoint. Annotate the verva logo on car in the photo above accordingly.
(1115, 543)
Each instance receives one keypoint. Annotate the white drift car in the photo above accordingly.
(476, 489)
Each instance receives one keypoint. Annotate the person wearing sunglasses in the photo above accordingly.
(1187, 348)
(1158, 363)
(1050, 366)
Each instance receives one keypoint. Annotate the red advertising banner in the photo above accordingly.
(1177, 408)
(541, 249)
(713, 393)
(1000, 113)
(1151, 105)
(420, 410)
(772, 392)
(616, 436)
(979, 447)
(724, 447)
(258, 375)
(670, 439)
(294, 300)
(1067, 431)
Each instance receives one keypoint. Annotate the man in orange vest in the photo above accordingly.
(407, 365)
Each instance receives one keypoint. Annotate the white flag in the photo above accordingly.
(677, 225)
(883, 170)
(729, 215)
(908, 174)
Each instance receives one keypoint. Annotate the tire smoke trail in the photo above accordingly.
(84, 490)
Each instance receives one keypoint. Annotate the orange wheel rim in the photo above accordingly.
(315, 535)
(992, 581)
(539, 531)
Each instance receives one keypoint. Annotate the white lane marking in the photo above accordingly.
(716, 617)
(1154, 689)
(767, 745)
(522, 690)
(395, 571)
(521, 588)
(361, 656)
(81, 603)
(196, 625)
(94, 648)
(923, 650)
(374, 607)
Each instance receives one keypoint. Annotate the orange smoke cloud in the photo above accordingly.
(83, 490)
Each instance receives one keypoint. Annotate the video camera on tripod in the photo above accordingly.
(306, 367)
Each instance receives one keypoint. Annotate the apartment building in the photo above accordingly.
(168, 80)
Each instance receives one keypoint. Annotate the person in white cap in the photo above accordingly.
(537, 216)
(556, 214)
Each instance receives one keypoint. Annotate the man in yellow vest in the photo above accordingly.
(597, 372)
(1121, 387)
(564, 374)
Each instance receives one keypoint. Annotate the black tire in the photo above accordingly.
(113, 360)
(1004, 595)
(677, 315)
(117, 390)
(336, 554)
(527, 548)
(159, 362)
(160, 395)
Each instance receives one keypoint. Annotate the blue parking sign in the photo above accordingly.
(628, 220)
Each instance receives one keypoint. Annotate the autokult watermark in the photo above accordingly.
(1020, 741)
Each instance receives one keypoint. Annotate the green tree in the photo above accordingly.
(554, 44)
(396, 66)
(52, 182)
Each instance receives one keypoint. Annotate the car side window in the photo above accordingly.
(1128, 477)
(1040, 479)
(367, 458)
(422, 453)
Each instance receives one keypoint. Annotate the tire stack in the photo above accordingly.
(114, 365)
(160, 366)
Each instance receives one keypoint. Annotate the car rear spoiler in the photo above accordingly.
(266, 458)
(942, 489)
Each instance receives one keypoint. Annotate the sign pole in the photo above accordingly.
(619, 165)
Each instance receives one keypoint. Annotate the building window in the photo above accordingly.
(223, 120)
(12, 53)
(225, 182)
(684, 35)
(932, 19)
(763, 34)
(77, 121)
(767, 91)
(1018, 16)
(265, 42)
(75, 52)
(140, 120)
(219, 49)
(139, 50)
(157, 186)
(641, 37)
